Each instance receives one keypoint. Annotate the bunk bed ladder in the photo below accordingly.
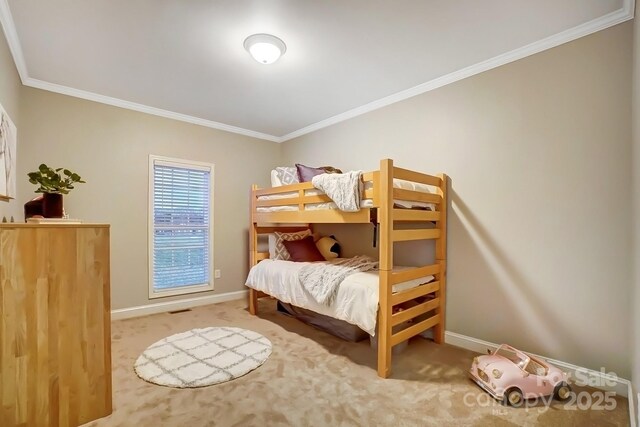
(436, 304)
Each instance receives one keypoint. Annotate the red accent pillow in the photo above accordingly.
(303, 250)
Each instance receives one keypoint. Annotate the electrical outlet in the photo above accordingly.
(216, 274)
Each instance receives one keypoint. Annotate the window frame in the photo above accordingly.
(183, 290)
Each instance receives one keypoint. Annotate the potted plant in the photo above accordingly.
(53, 183)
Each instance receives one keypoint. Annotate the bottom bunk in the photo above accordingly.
(356, 300)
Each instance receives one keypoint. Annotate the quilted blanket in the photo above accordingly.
(322, 280)
(343, 188)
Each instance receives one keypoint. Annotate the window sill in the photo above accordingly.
(184, 290)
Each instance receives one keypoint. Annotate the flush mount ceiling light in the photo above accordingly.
(265, 48)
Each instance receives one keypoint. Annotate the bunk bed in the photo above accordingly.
(289, 208)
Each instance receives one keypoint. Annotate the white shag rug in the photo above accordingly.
(202, 357)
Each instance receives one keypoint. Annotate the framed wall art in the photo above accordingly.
(8, 140)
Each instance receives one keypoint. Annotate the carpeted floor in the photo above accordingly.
(315, 379)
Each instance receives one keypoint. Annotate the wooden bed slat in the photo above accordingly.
(327, 216)
(294, 201)
(416, 196)
(412, 312)
(368, 194)
(405, 235)
(283, 229)
(415, 273)
(413, 176)
(414, 330)
(420, 291)
(368, 176)
(284, 189)
(415, 215)
(262, 255)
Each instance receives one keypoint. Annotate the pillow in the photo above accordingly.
(276, 247)
(287, 175)
(303, 250)
(305, 173)
(275, 180)
(328, 247)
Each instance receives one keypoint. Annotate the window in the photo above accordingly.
(180, 226)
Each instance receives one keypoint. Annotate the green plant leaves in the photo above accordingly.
(52, 180)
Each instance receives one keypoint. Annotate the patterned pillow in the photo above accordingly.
(276, 247)
(275, 180)
(287, 175)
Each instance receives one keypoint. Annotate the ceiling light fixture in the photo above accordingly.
(265, 48)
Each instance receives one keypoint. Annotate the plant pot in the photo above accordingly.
(52, 205)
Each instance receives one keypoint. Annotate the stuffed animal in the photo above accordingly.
(330, 169)
(328, 247)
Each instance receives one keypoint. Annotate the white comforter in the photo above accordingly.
(356, 301)
(343, 188)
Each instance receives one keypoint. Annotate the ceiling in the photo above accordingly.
(185, 59)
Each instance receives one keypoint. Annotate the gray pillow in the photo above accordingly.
(287, 175)
(306, 173)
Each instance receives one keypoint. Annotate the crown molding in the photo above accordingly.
(625, 13)
(621, 15)
(116, 102)
(9, 28)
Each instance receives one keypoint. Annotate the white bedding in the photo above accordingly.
(364, 203)
(356, 301)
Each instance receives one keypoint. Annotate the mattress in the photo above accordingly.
(356, 301)
(364, 203)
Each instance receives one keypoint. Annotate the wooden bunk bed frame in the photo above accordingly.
(385, 215)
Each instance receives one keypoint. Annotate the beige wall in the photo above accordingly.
(109, 147)
(538, 152)
(10, 90)
(635, 308)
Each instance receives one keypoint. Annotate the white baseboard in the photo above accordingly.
(163, 307)
(604, 381)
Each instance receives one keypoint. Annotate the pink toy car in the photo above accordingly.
(511, 376)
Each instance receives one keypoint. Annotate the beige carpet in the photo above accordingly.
(315, 379)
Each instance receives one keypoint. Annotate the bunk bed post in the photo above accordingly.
(253, 249)
(441, 259)
(385, 215)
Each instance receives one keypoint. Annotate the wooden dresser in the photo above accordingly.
(55, 324)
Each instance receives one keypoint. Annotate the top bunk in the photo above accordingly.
(393, 192)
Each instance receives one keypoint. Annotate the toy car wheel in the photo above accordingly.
(562, 391)
(513, 397)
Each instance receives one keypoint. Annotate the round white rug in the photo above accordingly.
(202, 357)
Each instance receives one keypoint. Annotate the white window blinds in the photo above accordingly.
(181, 216)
